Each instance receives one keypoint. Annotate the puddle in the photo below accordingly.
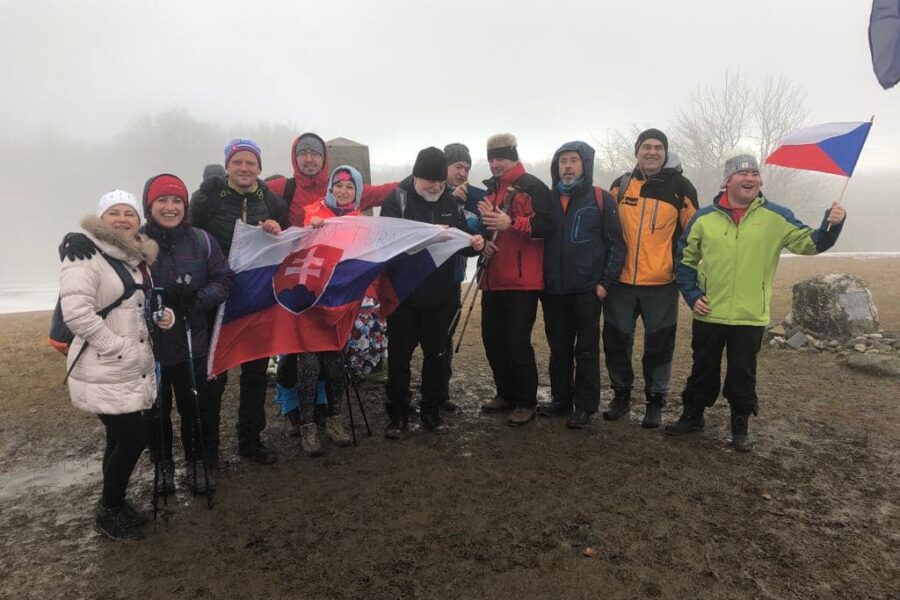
(55, 477)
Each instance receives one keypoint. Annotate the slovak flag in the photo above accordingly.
(301, 291)
(828, 148)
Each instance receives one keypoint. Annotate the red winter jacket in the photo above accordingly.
(518, 263)
(311, 189)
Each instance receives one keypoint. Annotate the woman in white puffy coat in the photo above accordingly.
(115, 376)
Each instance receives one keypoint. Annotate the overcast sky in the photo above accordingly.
(400, 75)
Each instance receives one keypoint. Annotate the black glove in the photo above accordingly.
(181, 297)
(76, 246)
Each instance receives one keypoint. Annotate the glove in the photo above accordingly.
(181, 297)
(76, 246)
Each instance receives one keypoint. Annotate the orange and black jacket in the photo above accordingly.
(654, 211)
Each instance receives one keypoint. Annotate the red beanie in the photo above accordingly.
(165, 185)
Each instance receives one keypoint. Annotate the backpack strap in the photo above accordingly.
(624, 182)
(290, 187)
(130, 287)
(201, 235)
(598, 198)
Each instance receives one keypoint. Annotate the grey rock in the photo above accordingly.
(836, 305)
(874, 364)
(860, 347)
(833, 343)
(798, 340)
(777, 331)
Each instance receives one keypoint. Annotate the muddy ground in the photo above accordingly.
(488, 511)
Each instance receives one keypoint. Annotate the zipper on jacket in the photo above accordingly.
(764, 296)
(653, 217)
(519, 262)
(637, 245)
(244, 211)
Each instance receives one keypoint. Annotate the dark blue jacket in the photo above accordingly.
(474, 195)
(183, 250)
(585, 245)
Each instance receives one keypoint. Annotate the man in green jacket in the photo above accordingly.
(726, 261)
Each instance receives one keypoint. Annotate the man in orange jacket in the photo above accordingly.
(655, 202)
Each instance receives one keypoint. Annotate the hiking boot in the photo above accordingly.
(579, 419)
(292, 423)
(619, 407)
(653, 413)
(334, 431)
(196, 477)
(116, 523)
(257, 451)
(164, 478)
(134, 516)
(691, 419)
(309, 439)
(553, 409)
(496, 404)
(740, 436)
(449, 406)
(398, 420)
(433, 423)
(520, 416)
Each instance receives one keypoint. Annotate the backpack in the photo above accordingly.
(61, 336)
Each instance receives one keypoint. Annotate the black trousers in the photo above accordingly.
(657, 306)
(407, 328)
(252, 401)
(572, 325)
(741, 343)
(507, 319)
(176, 380)
(286, 375)
(125, 440)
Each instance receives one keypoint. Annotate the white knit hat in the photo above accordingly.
(119, 197)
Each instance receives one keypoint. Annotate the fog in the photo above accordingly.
(103, 94)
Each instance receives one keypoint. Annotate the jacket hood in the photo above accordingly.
(138, 249)
(357, 181)
(319, 179)
(585, 151)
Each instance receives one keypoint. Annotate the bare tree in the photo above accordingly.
(778, 108)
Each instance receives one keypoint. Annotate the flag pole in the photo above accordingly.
(847, 181)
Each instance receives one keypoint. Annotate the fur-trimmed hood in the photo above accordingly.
(141, 248)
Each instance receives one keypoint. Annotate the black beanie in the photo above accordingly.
(652, 134)
(457, 153)
(431, 164)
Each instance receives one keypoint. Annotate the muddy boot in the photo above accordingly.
(398, 421)
(653, 413)
(165, 478)
(195, 480)
(579, 419)
(740, 436)
(334, 431)
(619, 407)
(255, 450)
(554, 409)
(496, 404)
(134, 516)
(430, 417)
(691, 419)
(449, 406)
(116, 524)
(309, 439)
(292, 423)
(521, 415)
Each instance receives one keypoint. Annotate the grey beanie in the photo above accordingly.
(213, 171)
(310, 142)
(741, 162)
(457, 153)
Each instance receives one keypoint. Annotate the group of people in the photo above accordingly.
(582, 252)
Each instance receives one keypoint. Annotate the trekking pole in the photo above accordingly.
(462, 332)
(159, 472)
(351, 383)
(475, 276)
(198, 429)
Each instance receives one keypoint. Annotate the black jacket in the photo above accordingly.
(585, 246)
(441, 286)
(216, 206)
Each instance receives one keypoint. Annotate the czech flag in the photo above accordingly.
(829, 148)
(301, 291)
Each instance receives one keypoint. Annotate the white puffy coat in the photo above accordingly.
(116, 373)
